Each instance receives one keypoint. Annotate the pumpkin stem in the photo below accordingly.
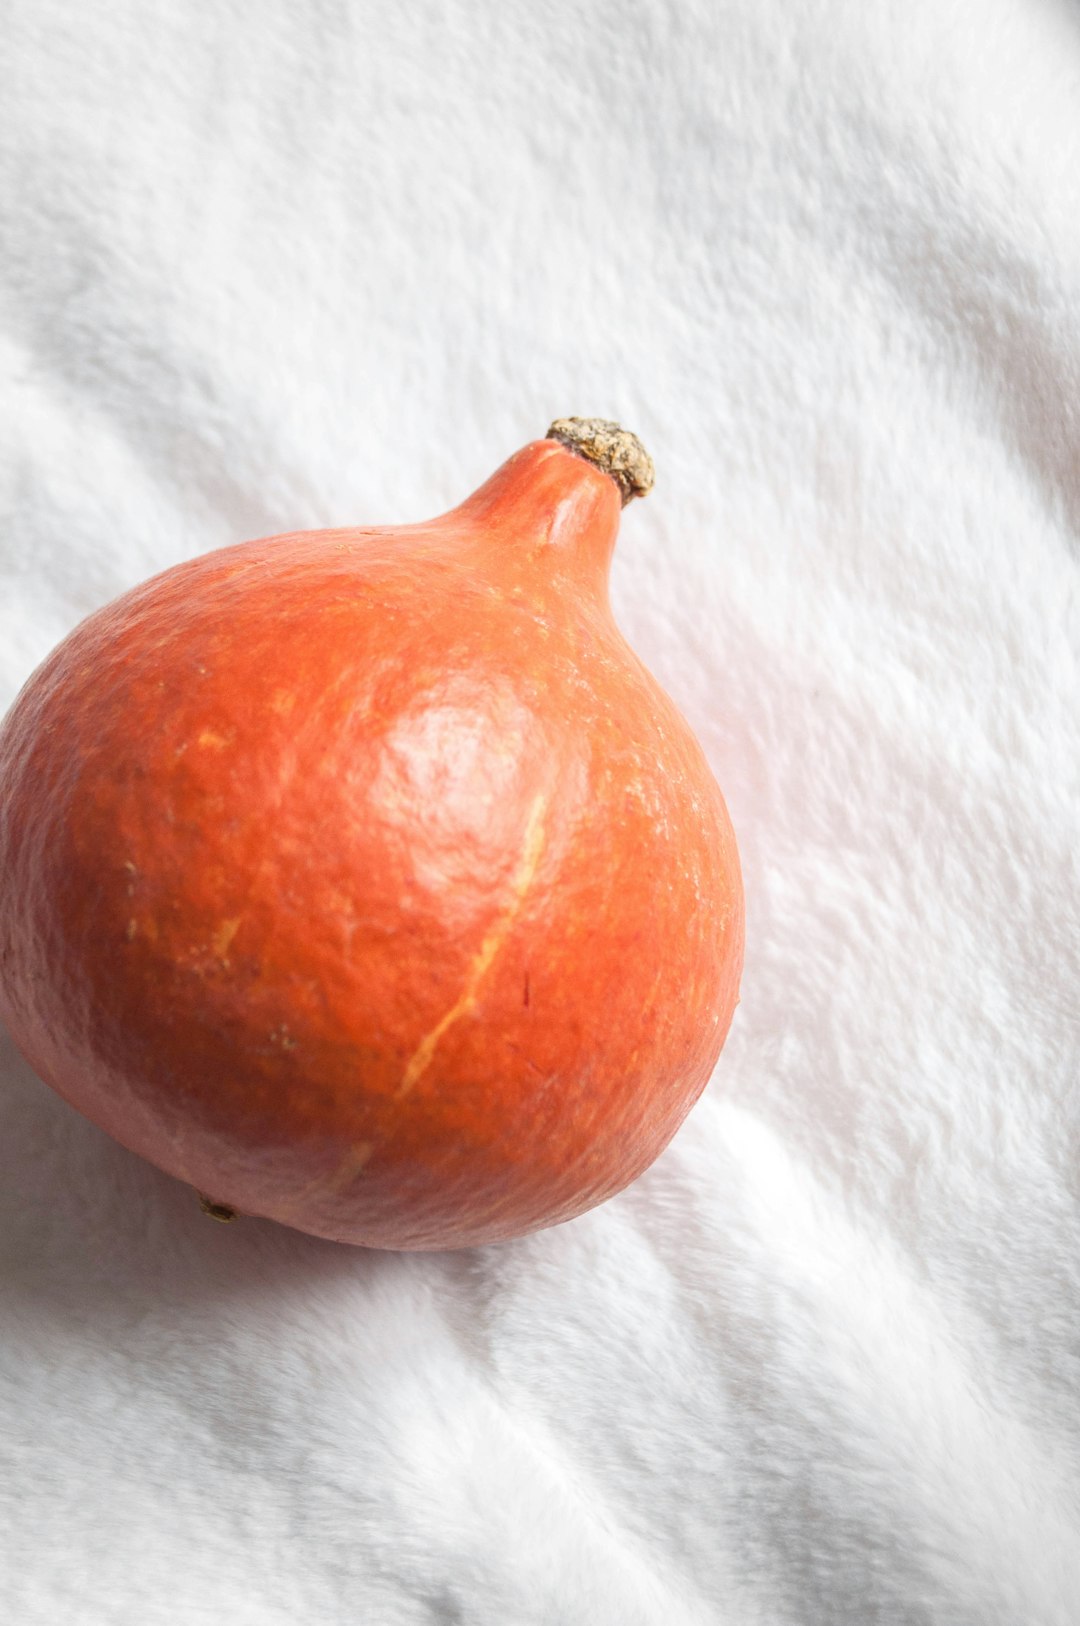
(611, 448)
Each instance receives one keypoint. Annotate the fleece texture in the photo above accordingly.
(269, 266)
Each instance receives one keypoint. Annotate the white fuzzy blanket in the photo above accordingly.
(271, 265)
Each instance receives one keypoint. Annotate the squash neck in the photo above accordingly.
(547, 513)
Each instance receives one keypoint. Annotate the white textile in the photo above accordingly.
(270, 265)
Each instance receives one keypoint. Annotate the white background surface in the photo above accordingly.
(271, 265)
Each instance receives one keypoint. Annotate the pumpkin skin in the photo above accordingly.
(367, 881)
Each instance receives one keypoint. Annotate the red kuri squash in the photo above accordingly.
(366, 880)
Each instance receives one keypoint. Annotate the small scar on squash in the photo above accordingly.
(211, 740)
(222, 938)
(132, 928)
(283, 702)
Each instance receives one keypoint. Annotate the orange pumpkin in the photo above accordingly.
(366, 880)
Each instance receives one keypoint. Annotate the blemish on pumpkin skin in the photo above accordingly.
(351, 1164)
(224, 935)
(328, 1185)
(177, 1139)
(528, 863)
(282, 702)
(516, 1048)
(132, 928)
(210, 740)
